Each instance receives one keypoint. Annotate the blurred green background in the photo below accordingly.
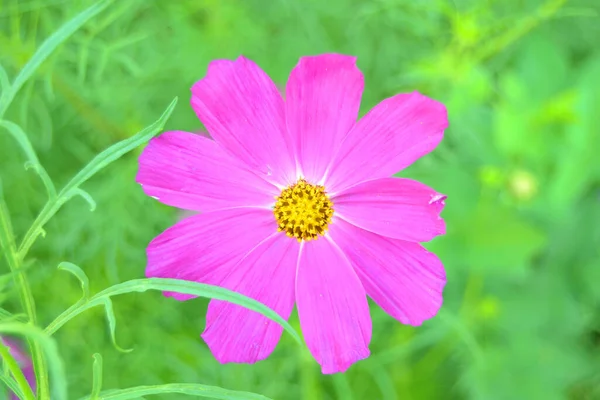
(520, 164)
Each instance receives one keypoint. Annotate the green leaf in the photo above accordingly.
(55, 364)
(49, 46)
(211, 392)
(85, 287)
(32, 161)
(83, 194)
(112, 324)
(79, 274)
(6, 316)
(12, 385)
(171, 285)
(100, 161)
(117, 150)
(97, 378)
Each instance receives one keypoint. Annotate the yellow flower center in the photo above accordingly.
(303, 211)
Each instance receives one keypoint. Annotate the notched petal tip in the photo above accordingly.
(348, 359)
(215, 65)
(439, 202)
(227, 357)
(214, 69)
(433, 310)
(436, 107)
(223, 65)
(438, 198)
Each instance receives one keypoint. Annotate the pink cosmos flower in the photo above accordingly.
(297, 206)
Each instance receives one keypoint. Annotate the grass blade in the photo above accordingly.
(117, 150)
(32, 160)
(48, 47)
(211, 392)
(79, 274)
(172, 285)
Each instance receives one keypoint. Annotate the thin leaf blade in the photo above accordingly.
(97, 377)
(53, 41)
(197, 390)
(112, 324)
(79, 274)
(172, 285)
(32, 160)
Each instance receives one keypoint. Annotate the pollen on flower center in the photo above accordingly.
(303, 211)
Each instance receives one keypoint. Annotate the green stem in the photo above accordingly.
(16, 372)
(7, 243)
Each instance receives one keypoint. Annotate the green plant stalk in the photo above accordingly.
(16, 372)
(8, 245)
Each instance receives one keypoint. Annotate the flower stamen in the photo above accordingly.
(303, 211)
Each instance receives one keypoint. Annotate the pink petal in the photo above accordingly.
(204, 248)
(322, 100)
(394, 134)
(393, 207)
(243, 111)
(189, 171)
(236, 334)
(332, 306)
(402, 277)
